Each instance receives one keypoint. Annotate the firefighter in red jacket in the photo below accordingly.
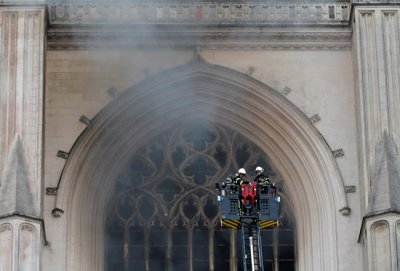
(247, 196)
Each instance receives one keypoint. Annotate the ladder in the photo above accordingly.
(251, 245)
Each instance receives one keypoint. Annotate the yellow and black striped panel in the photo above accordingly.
(230, 223)
(268, 224)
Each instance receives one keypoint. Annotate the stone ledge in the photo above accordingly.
(210, 38)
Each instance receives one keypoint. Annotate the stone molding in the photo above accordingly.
(210, 38)
(81, 26)
(5, 227)
(200, 13)
(27, 227)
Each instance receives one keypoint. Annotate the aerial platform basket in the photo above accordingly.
(265, 208)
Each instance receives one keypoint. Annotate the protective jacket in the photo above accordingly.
(262, 179)
(237, 180)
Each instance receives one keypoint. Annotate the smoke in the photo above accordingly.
(121, 52)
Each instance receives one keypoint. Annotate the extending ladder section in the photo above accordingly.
(251, 246)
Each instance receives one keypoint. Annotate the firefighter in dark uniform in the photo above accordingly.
(239, 176)
(260, 177)
(237, 179)
(262, 180)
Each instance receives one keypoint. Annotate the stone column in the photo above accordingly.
(376, 32)
(377, 59)
(22, 32)
(22, 39)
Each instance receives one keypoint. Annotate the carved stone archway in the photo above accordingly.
(223, 96)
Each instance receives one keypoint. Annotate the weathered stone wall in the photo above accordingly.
(317, 82)
(311, 67)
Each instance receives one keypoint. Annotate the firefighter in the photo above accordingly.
(262, 180)
(247, 197)
(260, 177)
(236, 180)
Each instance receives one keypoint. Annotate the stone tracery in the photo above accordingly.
(167, 195)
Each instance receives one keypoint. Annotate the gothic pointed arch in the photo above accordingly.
(216, 94)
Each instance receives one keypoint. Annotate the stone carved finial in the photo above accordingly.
(85, 120)
(113, 92)
(198, 50)
(286, 91)
(63, 154)
(315, 118)
(345, 211)
(57, 212)
(251, 70)
(51, 191)
(197, 54)
(338, 153)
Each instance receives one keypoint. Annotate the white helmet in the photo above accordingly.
(260, 169)
(242, 171)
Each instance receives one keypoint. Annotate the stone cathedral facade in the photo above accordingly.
(118, 117)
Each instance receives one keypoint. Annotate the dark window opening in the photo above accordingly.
(165, 216)
(331, 12)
